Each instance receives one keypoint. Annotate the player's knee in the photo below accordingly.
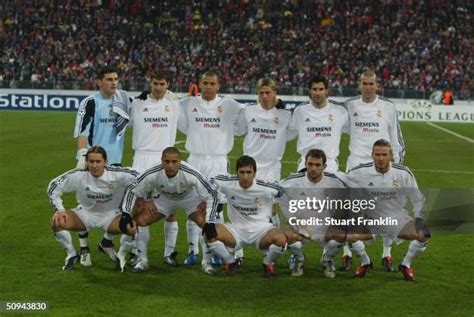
(209, 231)
(142, 220)
(292, 237)
(200, 221)
(279, 239)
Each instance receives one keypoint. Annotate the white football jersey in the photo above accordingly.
(319, 128)
(391, 189)
(247, 206)
(154, 124)
(266, 133)
(186, 183)
(209, 125)
(370, 122)
(95, 194)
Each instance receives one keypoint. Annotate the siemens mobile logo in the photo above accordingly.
(367, 124)
(39, 102)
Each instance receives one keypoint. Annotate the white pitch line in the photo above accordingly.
(451, 132)
(443, 171)
(179, 142)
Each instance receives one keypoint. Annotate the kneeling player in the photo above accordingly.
(99, 191)
(392, 184)
(177, 186)
(318, 185)
(250, 204)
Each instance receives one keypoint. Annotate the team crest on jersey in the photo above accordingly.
(219, 109)
(145, 109)
(395, 183)
(167, 108)
(330, 117)
(257, 201)
(276, 120)
(379, 114)
(110, 186)
(111, 112)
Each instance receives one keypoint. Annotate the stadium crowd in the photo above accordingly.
(412, 45)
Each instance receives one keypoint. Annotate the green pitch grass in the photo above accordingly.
(36, 147)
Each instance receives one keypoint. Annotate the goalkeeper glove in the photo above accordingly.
(81, 161)
(420, 226)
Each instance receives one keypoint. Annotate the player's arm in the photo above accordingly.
(84, 121)
(292, 130)
(64, 183)
(138, 191)
(206, 191)
(416, 197)
(419, 203)
(182, 115)
(396, 138)
(346, 128)
(241, 126)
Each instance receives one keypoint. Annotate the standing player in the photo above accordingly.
(99, 190)
(319, 124)
(266, 129)
(154, 117)
(372, 117)
(209, 123)
(314, 182)
(393, 184)
(177, 186)
(249, 207)
(101, 120)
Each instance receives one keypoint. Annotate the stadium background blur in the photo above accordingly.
(415, 47)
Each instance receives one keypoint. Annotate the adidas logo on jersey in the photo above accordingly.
(87, 188)
(233, 197)
(253, 120)
(371, 184)
(195, 110)
(145, 109)
(355, 114)
(307, 120)
(162, 186)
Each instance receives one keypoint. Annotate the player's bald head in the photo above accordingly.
(171, 151)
